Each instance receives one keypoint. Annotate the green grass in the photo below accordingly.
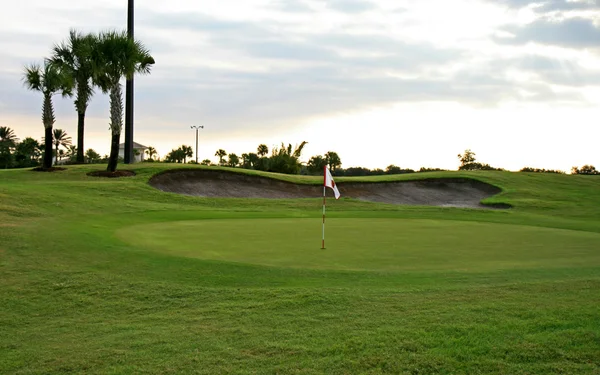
(370, 244)
(112, 276)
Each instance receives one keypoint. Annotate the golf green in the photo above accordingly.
(369, 244)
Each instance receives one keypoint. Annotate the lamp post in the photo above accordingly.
(128, 155)
(197, 127)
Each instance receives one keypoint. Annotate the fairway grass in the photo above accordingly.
(370, 244)
(111, 276)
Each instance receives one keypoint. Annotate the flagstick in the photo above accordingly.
(323, 243)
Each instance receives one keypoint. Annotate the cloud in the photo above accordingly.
(574, 32)
(554, 5)
(276, 71)
(350, 6)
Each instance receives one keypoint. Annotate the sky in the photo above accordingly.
(406, 82)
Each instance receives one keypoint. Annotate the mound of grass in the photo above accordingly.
(113, 276)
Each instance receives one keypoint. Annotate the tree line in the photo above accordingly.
(30, 152)
(76, 67)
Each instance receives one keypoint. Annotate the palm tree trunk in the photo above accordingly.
(56, 156)
(116, 124)
(48, 119)
(80, 128)
(48, 148)
(114, 152)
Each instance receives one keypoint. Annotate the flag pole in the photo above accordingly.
(324, 183)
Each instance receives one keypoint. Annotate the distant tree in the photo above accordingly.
(333, 160)
(234, 160)
(586, 169)
(286, 159)
(8, 141)
(246, 161)
(49, 80)
(27, 153)
(72, 152)
(253, 159)
(316, 164)
(221, 155)
(206, 162)
(175, 156)
(394, 169)
(262, 150)
(538, 170)
(425, 169)
(187, 152)
(60, 138)
(92, 156)
(151, 152)
(467, 158)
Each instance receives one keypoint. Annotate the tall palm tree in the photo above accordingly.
(49, 80)
(221, 154)
(60, 138)
(74, 57)
(114, 57)
(151, 152)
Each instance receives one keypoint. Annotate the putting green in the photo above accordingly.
(370, 244)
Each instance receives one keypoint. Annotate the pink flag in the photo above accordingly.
(330, 183)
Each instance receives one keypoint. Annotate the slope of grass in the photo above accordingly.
(85, 288)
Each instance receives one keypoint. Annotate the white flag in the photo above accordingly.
(330, 183)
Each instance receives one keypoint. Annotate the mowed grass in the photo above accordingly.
(370, 244)
(111, 276)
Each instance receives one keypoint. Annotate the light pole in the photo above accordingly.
(197, 127)
(128, 156)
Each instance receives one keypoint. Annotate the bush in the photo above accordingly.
(394, 169)
(423, 169)
(538, 170)
(586, 169)
(478, 167)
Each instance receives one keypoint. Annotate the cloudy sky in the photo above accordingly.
(405, 82)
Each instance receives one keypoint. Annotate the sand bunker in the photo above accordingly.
(456, 192)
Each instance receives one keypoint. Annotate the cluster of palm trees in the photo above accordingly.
(284, 159)
(80, 64)
(26, 153)
(179, 155)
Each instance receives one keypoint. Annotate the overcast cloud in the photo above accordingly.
(269, 66)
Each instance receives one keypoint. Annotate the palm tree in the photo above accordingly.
(60, 138)
(285, 159)
(234, 160)
(333, 159)
(8, 141)
(151, 152)
(49, 80)
(221, 154)
(74, 57)
(262, 150)
(71, 152)
(187, 152)
(114, 57)
(7, 137)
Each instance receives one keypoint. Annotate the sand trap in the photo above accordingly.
(457, 192)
